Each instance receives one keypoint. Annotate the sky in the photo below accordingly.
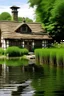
(24, 11)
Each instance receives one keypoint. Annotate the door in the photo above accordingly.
(28, 45)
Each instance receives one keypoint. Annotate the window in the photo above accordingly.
(24, 29)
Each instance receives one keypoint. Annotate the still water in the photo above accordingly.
(17, 79)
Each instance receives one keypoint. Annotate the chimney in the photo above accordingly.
(14, 13)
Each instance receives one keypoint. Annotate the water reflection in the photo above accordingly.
(17, 79)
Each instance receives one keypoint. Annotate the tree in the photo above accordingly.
(51, 13)
(43, 8)
(5, 16)
(28, 19)
(20, 19)
(57, 19)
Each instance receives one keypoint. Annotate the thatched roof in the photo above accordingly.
(35, 27)
(26, 36)
(8, 30)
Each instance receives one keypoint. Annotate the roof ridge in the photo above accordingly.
(10, 21)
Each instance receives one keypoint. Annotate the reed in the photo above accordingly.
(50, 56)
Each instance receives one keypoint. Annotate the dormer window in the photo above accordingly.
(24, 28)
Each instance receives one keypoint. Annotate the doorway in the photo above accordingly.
(28, 45)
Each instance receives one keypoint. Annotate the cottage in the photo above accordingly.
(26, 35)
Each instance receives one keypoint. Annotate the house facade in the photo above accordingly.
(25, 35)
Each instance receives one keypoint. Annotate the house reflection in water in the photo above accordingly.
(9, 74)
(14, 79)
(11, 78)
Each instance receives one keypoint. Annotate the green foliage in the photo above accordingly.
(24, 51)
(1, 51)
(28, 19)
(20, 19)
(16, 62)
(43, 8)
(57, 17)
(13, 51)
(58, 11)
(51, 13)
(16, 51)
(5, 16)
(52, 54)
(58, 45)
(34, 2)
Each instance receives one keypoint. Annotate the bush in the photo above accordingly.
(23, 51)
(16, 51)
(58, 45)
(1, 51)
(13, 51)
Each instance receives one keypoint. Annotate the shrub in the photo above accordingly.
(24, 51)
(1, 51)
(13, 51)
(58, 45)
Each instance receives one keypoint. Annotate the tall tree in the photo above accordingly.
(57, 20)
(51, 13)
(43, 8)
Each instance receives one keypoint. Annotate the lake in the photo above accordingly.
(17, 78)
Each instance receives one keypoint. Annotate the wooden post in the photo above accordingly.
(3, 44)
(23, 44)
(7, 43)
(43, 44)
(33, 44)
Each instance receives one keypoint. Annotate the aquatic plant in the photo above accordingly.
(50, 55)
